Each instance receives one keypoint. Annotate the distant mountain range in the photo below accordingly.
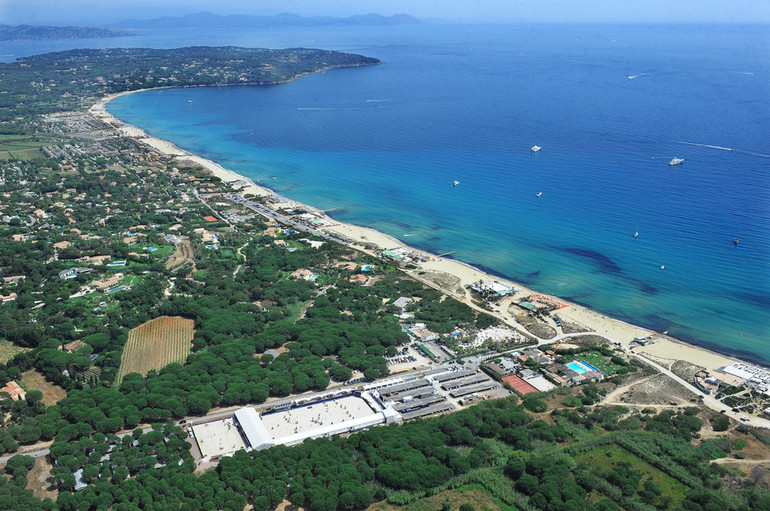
(10, 33)
(209, 20)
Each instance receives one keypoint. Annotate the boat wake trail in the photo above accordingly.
(632, 77)
(706, 145)
(709, 146)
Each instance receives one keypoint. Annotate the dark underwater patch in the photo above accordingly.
(606, 264)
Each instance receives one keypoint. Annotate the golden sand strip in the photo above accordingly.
(372, 241)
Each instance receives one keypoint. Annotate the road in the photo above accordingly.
(37, 453)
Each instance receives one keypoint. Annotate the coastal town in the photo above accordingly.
(159, 311)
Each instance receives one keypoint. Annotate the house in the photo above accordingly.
(71, 273)
(304, 274)
(495, 288)
(423, 334)
(390, 254)
(14, 390)
(358, 279)
(494, 367)
(402, 302)
(72, 346)
(9, 298)
(62, 245)
(347, 265)
(102, 285)
(535, 355)
(19, 237)
(206, 236)
(14, 280)
(94, 259)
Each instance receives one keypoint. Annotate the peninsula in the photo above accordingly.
(41, 32)
(162, 316)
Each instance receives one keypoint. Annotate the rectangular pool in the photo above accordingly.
(577, 367)
(582, 367)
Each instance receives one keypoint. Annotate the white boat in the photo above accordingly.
(539, 194)
(675, 161)
(636, 235)
(455, 183)
(535, 148)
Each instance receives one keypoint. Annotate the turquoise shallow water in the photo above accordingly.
(610, 106)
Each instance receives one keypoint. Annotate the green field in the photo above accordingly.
(607, 457)
(27, 154)
(13, 147)
(162, 252)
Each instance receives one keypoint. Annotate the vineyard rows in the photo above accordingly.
(155, 344)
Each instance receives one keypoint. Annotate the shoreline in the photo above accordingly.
(454, 275)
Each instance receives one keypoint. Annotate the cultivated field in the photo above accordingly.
(183, 253)
(156, 344)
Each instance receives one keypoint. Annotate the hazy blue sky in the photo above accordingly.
(106, 11)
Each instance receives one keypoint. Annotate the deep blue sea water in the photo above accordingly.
(610, 105)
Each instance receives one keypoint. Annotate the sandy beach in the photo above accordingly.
(449, 275)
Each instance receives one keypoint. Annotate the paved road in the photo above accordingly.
(35, 454)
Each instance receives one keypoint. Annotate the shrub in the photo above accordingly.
(721, 423)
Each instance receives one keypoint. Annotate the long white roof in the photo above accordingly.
(254, 429)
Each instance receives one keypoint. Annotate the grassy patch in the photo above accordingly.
(8, 350)
(38, 480)
(473, 494)
(52, 394)
(162, 252)
(607, 457)
(295, 309)
(21, 155)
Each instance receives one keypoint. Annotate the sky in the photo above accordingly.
(101, 12)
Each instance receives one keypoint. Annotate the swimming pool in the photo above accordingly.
(582, 367)
(577, 367)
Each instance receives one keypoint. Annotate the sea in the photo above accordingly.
(610, 105)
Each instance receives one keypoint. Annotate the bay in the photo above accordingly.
(610, 105)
